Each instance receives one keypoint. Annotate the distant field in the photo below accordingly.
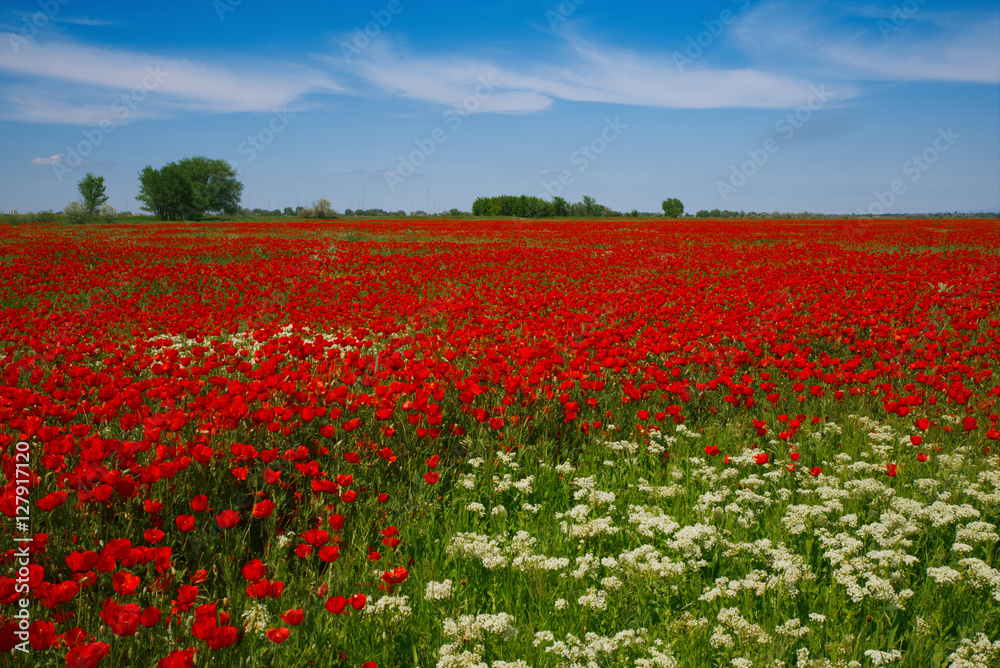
(506, 443)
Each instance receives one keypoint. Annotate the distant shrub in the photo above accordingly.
(108, 214)
(76, 213)
(31, 217)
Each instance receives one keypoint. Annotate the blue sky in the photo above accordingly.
(773, 105)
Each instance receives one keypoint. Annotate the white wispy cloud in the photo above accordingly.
(51, 160)
(922, 45)
(84, 21)
(589, 73)
(73, 83)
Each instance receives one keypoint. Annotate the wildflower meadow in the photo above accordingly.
(501, 444)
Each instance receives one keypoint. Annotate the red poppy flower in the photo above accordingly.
(293, 617)
(395, 576)
(82, 561)
(432, 477)
(180, 658)
(125, 583)
(349, 496)
(52, 500)
(762, 458)
(153, 536)
(433, 461)
(150, 616)
(336, 604)
(815, 471)
(223, 637)
(263, 509)
(186, 595)
(227, 519)
(42, 634)
(123, 620)
(890, 470)
(922, 457)
(86, 656)
(916, 439)
(711, 450)
(329, 553)
(336, 521)
(199, 503)
(316, 537)
(303, 550)
(254, 570)
(969, 423)
(185, 523)
(358, 601)
(277, 636)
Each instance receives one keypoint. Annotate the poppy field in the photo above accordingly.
(501, 444)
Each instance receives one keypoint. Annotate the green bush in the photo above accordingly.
(108, 214)
(76, 213)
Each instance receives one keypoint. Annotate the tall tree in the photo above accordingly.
(92, 191)
(190, 188)
(672, 208)
(560, 207)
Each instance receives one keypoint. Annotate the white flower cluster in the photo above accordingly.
(651, 520)
(630, 447)
(660, 492)
(594, 598)
(257, 619)
(470, 628)
(484, 548)
(732, 620)
(981, 575)
(565, 468)
(975, 653)
(792, 628)
(883, 658)
(396, 607)
(438, 591)
(591, 648)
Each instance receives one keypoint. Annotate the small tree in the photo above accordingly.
(672, 208)
(92, 191)
(323, 210)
